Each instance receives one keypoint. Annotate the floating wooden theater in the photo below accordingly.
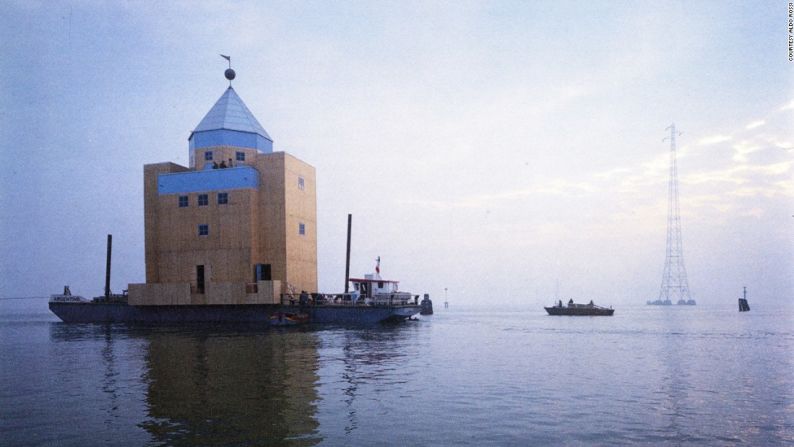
(230, 235)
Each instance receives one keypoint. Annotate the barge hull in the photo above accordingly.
(250, 313)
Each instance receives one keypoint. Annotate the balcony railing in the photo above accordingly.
(346, 299)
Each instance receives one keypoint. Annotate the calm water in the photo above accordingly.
(656, 376)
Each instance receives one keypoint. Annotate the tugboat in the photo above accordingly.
(576, 309)
(373, 299)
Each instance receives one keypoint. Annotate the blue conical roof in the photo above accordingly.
(230, 113)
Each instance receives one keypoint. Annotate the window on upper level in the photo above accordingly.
(301, 183)
(183, 201)
(223, 198)
(208, 155)
(302, 229)
(240, 156)
(203, 230)
(203, 200)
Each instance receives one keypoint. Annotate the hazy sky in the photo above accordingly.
(493, 148)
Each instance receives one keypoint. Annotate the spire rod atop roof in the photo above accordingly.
(229, 73)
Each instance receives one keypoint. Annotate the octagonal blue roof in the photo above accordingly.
(230, 113)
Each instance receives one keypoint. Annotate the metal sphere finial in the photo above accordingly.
(229, 73)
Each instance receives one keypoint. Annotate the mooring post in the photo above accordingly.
(347, 258)
(107, 267)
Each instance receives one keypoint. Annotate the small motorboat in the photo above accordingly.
(576, 309)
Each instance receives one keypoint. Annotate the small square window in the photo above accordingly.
(203, 230)
(301, 183)
(223, 198)
(208, 155)
(203, 200)
(182, 201)
(301, 229)
(240, 156)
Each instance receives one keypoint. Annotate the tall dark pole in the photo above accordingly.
(107, 267)
(347, 258)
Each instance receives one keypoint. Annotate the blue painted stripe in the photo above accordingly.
(241, 177)
(226, 137)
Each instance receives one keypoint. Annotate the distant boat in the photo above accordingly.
(743, 306)
(659, 303)
(576, 309)
(426, 306)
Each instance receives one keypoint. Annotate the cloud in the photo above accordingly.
(612, 173)
(754, 124)
(743, 149)
(754, 212)
(786, 187)
(776, 142)
(754, 191)
(750, 180)
(573, 91)
(561, 187)
(556, 187)
(699, 201)
(788, 106)
(712, 177)
(714, 139)
(773, 169)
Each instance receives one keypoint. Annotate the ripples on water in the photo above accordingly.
(650, 376)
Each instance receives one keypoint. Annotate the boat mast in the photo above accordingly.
(107, 267)
(347, 257)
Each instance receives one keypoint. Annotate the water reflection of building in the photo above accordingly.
(185, 386)
(232, 389)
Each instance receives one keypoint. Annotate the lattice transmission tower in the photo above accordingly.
(674, 280)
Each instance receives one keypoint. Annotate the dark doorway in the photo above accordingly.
(262, 272)
(200, 279)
